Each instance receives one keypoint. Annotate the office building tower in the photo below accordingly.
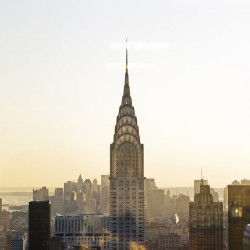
(104, 181)
(182, 206)
(126, 177)
(17, 242)
(205, 221)
(87, 188)
(39, 224)
(157, 203)
(88, 231)
(70, 187)
(41, 194)
(197, 184)
(237, 204)
(57, 202)
(149, 186)
(105, 194)
(95, 186)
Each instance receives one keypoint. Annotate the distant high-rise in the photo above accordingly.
(149, 186)
(197, 184)
(39, 224)
(17, 242)
(157, 202)
(95, 186)
(237, 204)
(57, 202)
(1, 205)
(205, 221)
(41, 194)
(105, 194)
(126, 177)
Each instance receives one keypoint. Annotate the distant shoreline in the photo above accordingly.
(16, 194)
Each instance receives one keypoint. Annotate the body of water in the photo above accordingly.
(16, 199)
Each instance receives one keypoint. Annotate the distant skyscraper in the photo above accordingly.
(105, 194)
(205, 221)
(157, 203)
(57, 203)
(197, 184)
(237, 199)
(1, 205)
(126, 177)
(95, 186)
(39, 225)
(41, 194)
(17, 242)
(69, 188)
(149, 186)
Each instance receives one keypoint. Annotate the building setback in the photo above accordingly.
(205, 221)
(126, 177)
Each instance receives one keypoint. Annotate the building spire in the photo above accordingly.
(126, 74)
(126, 55)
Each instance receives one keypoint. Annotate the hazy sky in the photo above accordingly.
(62, 66)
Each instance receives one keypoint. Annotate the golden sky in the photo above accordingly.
(62, 67)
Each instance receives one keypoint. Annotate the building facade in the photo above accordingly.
(17, 242)
(205, 221)
(237, 204)
(105, 194)
(88, 231)
(197, 184)
(39, 224)
(126, 178)
(41, 194)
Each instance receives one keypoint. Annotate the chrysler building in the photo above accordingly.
(126, 177)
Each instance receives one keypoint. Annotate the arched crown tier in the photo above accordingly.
(126, 151)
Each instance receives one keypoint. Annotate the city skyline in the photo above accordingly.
(62, 78)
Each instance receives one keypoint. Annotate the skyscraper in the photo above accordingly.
(39, 224)
(17, 242)
(237, 199)
(126, 177)
(105, 194)
(205, 221)
(197, 184)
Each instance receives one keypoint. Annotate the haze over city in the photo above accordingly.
(62, 67)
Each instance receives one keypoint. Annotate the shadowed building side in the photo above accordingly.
(39, 224)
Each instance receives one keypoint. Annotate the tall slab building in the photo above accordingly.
(205, 221)
(126, 177)
(237, 201)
